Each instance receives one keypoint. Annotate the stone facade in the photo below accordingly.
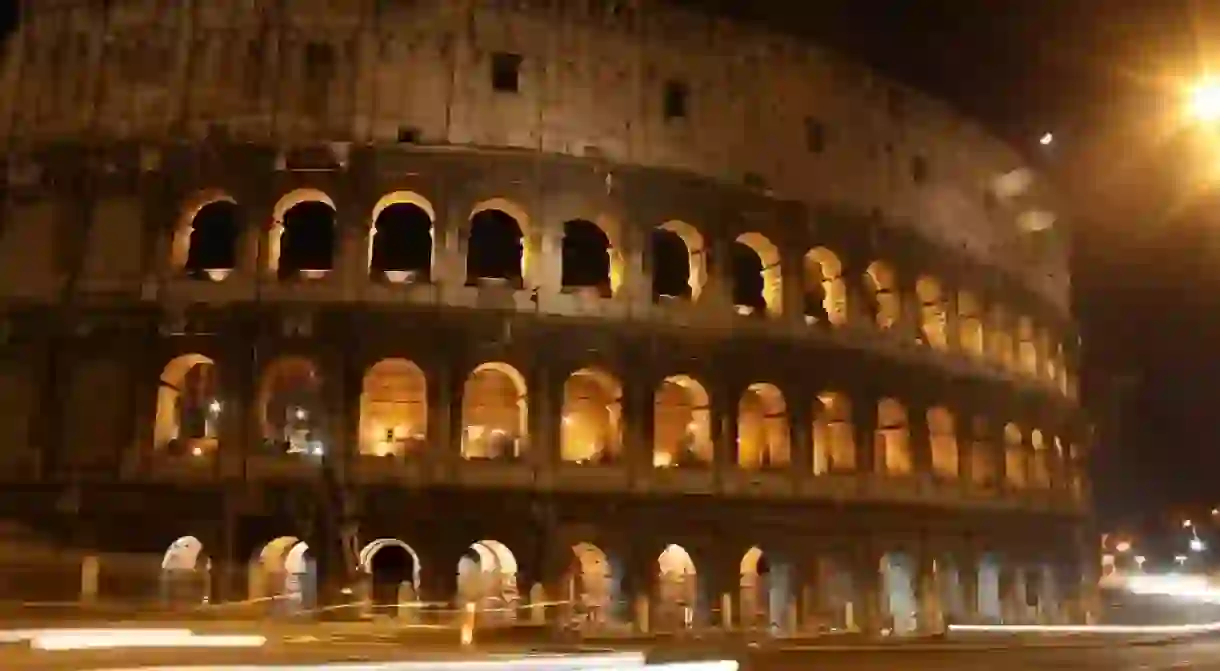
(868, 302)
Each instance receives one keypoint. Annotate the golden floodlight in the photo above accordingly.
(1205, 101)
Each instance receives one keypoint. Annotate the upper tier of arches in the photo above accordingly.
(589, 79)
(401, 242)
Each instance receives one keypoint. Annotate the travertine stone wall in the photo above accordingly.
(761, 109)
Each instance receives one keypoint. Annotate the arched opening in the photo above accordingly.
(933, 313)
(586, 259)
(682, 424)
(1000, 340)
(209, 234)
(302, 237)
(188, 407)
(393, 409)
(763, 438)
(834, 604)
(496, 250)
(757, 276)
(400, 238)
(942, 436)
(970, 323)
(487, 577)
(834, 438)
(1015, 463)
(679, 264)
(1042, 460)
(677, 589)
(984, 460)
(1027, 351)
(284, 571)
(989, 589)
(591, 429)
(882, 289)
(494, 413)
(893, 438)
(291, 412)
(594, 585)
(186, 574)
(393, 569)
(765, 591)
(825, 289)
(898, 587)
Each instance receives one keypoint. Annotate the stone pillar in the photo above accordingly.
(544, 419)
(724, 400)
(444, 416)
(800, 432)
(717, 295)
(90, 571)
(637, 264)
(919, 440)
(968, 575)
(793, 290)
(351, 263)
(866, 610)
(864, 415)
(638, 422)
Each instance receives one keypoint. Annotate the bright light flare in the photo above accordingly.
(1123, 546)
(1047, 139)
(1205, 101)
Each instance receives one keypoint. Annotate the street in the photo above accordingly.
(1193, 654)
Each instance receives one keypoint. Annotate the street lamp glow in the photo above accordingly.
(1205, 101)
(1139, 561)
(1046, 139)
(1197, 545)
(1123, 546)
(1186, 524)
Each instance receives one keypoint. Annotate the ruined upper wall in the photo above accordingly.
(761, 109)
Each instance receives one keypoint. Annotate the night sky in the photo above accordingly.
(1105, 76)
(1146, 272)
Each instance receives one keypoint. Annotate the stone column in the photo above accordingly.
(544, 419)
(444, 416)
(793, 289)
(928, 592)
(724, 399)
(867, 608)
(637, 426)
(919, 440)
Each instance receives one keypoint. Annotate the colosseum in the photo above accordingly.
(604, 303)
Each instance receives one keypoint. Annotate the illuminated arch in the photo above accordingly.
(893, 438)
(292, 382)
(283, 206)
(495, 410)
(1015, 457)
(176, 403)
(591, 428)
(180, 244)
(393, 408)
(518, 214)
(882, 284)
(677, 583)
(970, 324)
(825, 289)
(491, 579)
(401, 198)
(372, 548)
(933, 312)
(772, 272)
(682, 423)
(696, 254)
(184, 554)
(834, 439)
(942, 436)
(763, 438)
(269, 568)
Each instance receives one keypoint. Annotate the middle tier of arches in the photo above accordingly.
(591, 420)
